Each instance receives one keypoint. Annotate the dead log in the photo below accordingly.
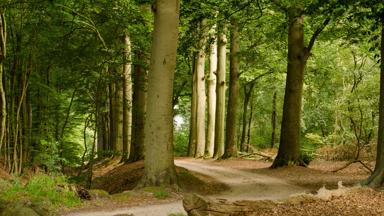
(196, 205)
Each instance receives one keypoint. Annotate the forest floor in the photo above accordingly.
(235, 179)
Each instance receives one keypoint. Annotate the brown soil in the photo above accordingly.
(115, 177)
(126, 176)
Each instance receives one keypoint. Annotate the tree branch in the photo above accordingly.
(316, 34)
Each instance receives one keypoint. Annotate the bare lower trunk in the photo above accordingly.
(201, 97)
(119, 116)
(230, 141)
(127, 97)
(220, 91)
(139, 110)
(158, 140)
(3, 105)
(273, 119)
(210, 143)
(289, 150)
(193, 128)
(249, 128)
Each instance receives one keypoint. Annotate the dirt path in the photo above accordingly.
(242, 186)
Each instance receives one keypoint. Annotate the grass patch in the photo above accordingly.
(122, 197)
(50, 191)
(158, 192)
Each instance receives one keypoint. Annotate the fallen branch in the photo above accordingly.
(352, 162)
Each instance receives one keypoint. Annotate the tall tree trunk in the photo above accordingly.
(158, 140)
(192, 124)
(3, 105)
(127, 97)
(298, 54)
(273, 119)
(201, 96)
(377, 177)
(210, 143)
(119, 112)
(220, 91)
(249, 128)
(138, 110)
(289, 150)
(230, 146)
(247, 97)
(112, 114)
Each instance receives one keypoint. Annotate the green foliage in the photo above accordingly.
(52, 191)
(181, 139)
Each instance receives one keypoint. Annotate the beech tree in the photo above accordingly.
(210, 142)
(298, 54)
(220, 92)
(158, 140)
(231, 145)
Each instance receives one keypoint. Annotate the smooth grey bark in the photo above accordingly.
(127, 97)
(210, 143)
(158, 140)
(220, 93)
(201, 96)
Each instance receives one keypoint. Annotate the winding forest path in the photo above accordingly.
(242, 185)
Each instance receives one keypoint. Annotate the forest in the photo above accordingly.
(187, 107)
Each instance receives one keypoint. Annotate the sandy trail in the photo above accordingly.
(243, 186)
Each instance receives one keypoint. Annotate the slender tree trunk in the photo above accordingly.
(112, 115)
(193, 127)
(289, 150)
(273, 119)
(127, 97)
(119, 112)
(3, 105)
(230, 146)
(210, 143)
(201, 96)
(377, 177)
(249, 128)
(139, 110)
(247, 97)
(220, 91)
(158, 140)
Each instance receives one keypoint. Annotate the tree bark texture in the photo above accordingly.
(220, 93)
(158, 140)
(193, 128)
(138, 110)
(201, 96)
(127, 97)
(3, 105)
(230, 141)
(274, 119)
(210, 143)
(289, 150)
